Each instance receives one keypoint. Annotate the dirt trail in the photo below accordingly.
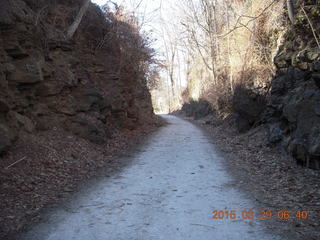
(168, 192)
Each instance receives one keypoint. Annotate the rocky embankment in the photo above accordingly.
(66, 105)
(290, 107)
(293, 111)
(78, 84)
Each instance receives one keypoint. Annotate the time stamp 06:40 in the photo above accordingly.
(263, 215)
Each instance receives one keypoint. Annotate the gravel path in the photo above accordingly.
(168, 192)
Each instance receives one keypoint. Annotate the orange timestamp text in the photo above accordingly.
(263, 215)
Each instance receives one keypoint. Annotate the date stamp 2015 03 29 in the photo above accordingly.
(262, 215)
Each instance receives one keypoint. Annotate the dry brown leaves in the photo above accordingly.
(271, 177)
(55, 164)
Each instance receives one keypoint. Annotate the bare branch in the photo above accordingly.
(251, 20)
(312, 28)
(291, 10)
(74, 26)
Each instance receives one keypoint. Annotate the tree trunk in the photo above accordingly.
(290, 10)
(229, 48)
(74, 26)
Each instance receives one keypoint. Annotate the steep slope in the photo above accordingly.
(66, 106)
(279, 81)
(294, 107)
(87, 85)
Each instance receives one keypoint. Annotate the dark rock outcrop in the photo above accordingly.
(293, 109)
(197, 109)
(248, 105)
(81, 85)
(85, 128)
(290, 107)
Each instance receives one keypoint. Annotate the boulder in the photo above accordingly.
(85, 98)
(303, 121)
(48, 122)
(27, 71)
(197, 109)
(298, 151)
(242, 124)
(204, 109)
(290, 111)
(40, 109)
(275, 135)
(24, 121)
(7, 136)
(65, 105)
(279, 85)
(22, 77)
(248, 105)
(85, 129)
(49, 88)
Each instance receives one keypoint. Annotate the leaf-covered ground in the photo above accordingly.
(53, 165)
(273, 179)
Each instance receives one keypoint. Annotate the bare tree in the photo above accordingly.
(74, 26)
(229, 46)
(170, 54)
(202, 30)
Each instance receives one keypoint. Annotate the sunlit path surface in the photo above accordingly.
(168, 193)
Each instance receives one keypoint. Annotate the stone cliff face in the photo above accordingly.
(89, 86)
(294, 108)
(290, 107)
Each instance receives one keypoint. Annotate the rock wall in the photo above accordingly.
(294, 108)
(81, 85)
(291, 108)
(289, 103)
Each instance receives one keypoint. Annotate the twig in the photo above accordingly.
(16, 162)
(39, 15)
(312, 28)
(244, 25)
(202, 225)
